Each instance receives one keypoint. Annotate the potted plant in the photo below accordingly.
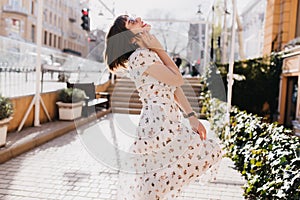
(70, 103)
(6, 111)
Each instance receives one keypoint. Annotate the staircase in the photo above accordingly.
(125, 98)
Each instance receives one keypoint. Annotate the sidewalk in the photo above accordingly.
(29, 138)
(63, 168)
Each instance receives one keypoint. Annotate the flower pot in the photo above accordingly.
(3, 130)
(69, 111)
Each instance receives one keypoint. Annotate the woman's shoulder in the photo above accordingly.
(141, 52)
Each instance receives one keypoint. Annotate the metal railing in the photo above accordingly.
(17, 9)
(18, 68)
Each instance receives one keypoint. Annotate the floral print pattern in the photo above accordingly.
(166, 155)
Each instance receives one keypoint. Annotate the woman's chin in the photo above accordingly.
(147, 28)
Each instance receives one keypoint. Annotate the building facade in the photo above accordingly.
(96, 45)
(196, 44)
(253, 17)
(283, 26)
(61, 23)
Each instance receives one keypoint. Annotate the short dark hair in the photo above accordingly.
(118, 44)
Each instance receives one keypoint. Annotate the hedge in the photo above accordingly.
(266, 154)
(258, 92)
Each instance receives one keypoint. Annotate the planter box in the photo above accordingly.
(69, 111)
(3, 130)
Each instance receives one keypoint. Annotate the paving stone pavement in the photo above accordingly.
(63, 169)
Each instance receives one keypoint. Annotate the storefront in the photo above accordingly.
(289, 98)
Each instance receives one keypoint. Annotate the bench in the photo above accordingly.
(92, 102)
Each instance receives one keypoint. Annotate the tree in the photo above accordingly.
(168, 31)
(240, 37)
(224, 38)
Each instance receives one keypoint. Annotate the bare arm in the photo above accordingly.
(184, 104)
(160, 72)
(182, 101)
(168, 62)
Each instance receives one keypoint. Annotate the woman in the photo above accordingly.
(165, 155)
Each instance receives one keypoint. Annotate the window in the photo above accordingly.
(59, 22)
(54, 41)
(50, 39)
(33, 33)
(45, 38)
(50, 17)
(32, 7)
(15, 3)
(15, 26)
(55, 20)
(59, 42)
(45, 15)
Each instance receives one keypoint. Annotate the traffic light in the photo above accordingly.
(85, 19)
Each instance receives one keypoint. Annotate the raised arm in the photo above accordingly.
(169, 73)
(166, 72)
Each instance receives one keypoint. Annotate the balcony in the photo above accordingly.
(15, 9)
(72, 19)
(73, 35)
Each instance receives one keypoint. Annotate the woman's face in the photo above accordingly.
(136, 25)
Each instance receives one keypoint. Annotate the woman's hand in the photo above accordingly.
(198, 127)
(147, 40)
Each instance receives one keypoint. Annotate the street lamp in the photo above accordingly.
(205, 49)
(199, 10)
(231, 65)
(112, 11)
(224, 34)
(212, 34)
(200, 41)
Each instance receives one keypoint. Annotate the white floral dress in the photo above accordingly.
(166, 155)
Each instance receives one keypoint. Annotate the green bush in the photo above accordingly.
(6, 107)
(204, 102)
(71, 95)
(217, 116)
(267, 155)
